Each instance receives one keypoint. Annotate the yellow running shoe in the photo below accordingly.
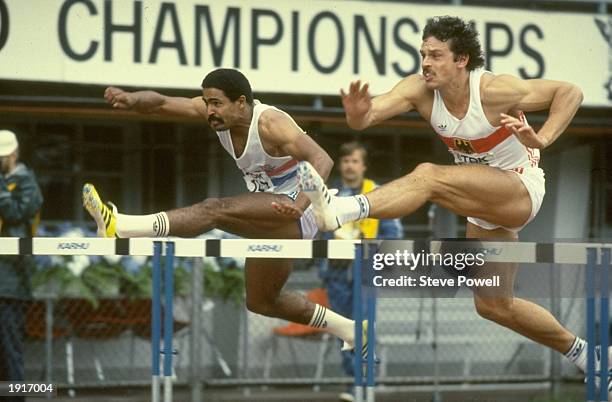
(105, 217)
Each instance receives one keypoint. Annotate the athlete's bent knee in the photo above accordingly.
(211, 208)
(495, 309)
(261, 306)
(426, 169)
(427, 176)
(211, 203)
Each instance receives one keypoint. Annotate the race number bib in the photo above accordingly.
(257, 181)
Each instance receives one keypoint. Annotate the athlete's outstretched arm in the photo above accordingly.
(561, 98)
(280, 129)
(363, 111)
(151, 102)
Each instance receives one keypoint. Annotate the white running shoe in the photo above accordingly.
(364, 341)
(348, 395)
(364, 348)
(323, 202)
(598, 371)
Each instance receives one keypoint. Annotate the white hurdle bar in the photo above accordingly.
(593, 255)
(519, 252)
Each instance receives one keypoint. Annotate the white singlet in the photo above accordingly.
(265, 173)
(262, 172)
(474, 140)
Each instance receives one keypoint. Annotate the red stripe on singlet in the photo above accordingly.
(480, 145)
(282, 168)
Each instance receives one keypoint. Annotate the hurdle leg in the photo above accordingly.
(156, 321)
(195, 348)
(358, 318)
(370, 372)
(590, 330)
(604, 324)
(437, 396)
(168, 320)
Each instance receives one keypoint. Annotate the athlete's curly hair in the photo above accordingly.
(461, 36)
(232, 82)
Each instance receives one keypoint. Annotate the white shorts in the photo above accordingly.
(533, 180)
(308, 225)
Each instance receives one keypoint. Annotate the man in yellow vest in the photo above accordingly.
(337, 274)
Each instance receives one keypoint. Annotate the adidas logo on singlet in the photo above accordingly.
(442, 126)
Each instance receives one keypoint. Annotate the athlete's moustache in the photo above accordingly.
(214, 118)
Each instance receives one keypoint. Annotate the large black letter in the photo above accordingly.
(295, 40)
(177, 43)
(399, 42)
(218, 48)
(490, 52)
(256, 40)
(110, 28)
(4, 24)
(531, 52)
(379, 57)
(311, 42)
(63, 34)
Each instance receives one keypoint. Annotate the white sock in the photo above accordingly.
(353, 208)
(334, 323)
(577, 354)
(154, 225)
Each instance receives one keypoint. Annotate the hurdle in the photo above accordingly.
(363, 366)
(156, 320)
(598, 262)
(594, 256)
